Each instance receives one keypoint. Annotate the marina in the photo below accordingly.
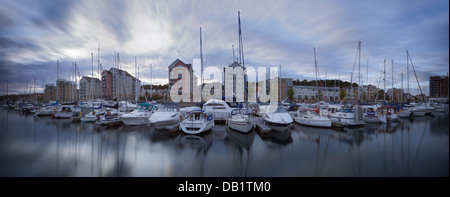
(139, 90)
(44, 146)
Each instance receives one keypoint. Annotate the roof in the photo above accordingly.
(90, 78)
(234, 65)
(176, 62)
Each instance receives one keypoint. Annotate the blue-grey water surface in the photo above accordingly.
(41, 146)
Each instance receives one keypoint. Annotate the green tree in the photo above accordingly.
(319, 95)
(342, 94)
(290, 94)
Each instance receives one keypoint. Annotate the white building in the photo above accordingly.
(309, 93)
(90, 88)
(234, 81)
(125, 86)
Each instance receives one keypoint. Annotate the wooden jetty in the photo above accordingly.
(259, 124)
(338, 125)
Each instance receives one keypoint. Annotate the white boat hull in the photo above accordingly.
(88, 118)
(348, 121)
(43, 112)
(325, 123)
(394, 118)
(404, 114)
(106, 120)
(196, 127)
(167, 124)
(372, 119)
(134, 120)
(165, 120)
(241, 126)
(277, 126)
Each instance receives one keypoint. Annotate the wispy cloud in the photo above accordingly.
(34, 34)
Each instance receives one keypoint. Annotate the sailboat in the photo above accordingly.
(65, 111)
(239, 119)
(90, 114)
(198, 121)
(110, 117)
(370, 114)
(423, 108)
(46, 110)
(313, 117)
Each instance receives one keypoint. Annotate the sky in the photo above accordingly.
(34, 34)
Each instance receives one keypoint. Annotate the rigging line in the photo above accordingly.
(423, 98)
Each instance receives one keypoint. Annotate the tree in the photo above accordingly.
(342, 94)
(290, 94)
(319, 95)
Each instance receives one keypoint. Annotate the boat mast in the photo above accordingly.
(417, 79)
(384, 81)
(359, 70)
(232, 46)
(57, 80)
(316, 70)
(99, 69)
(201, 74)
(325, 91)
(92, 79)
(151, 82)
(402, 90)
(407, 72)
(367, 81)
(135, 79)
(77, 96)
(393, 95)
(242, 62)
(114, 77)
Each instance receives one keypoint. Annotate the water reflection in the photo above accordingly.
(243, 143)
(42, 146)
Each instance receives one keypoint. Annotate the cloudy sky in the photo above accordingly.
(36, 33)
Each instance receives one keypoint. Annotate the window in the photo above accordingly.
(179, 76)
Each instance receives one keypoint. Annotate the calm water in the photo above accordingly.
(34, 146)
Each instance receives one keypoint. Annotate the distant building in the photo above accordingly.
(50, 92)
(439, 88)
(107, 85)
(66, 90)
(121, 85)
(395, 94)
(285, 84)
(309, 93)
(90, 88)
(230, 81)
(179, 74)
